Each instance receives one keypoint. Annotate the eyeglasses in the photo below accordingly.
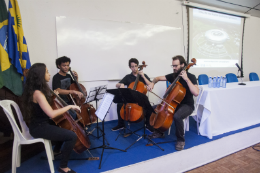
(172, 66)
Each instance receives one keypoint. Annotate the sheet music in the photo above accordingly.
(93, 92)
(104, 106)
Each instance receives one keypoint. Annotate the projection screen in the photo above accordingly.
(215, 40)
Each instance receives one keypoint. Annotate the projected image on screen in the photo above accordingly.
(215, 39)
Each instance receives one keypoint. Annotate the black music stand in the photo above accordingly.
(126, 95)
(96, 94)
(101, 113)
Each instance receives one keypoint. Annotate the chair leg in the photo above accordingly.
(49, 154)
(198, 125)
(18, 161)
(184, 125)
(188, 123)
(14, 156)
(52, 155)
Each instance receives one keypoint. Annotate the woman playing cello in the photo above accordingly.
(186, 107)
(37, 111)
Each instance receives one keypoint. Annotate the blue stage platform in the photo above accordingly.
(139, 152)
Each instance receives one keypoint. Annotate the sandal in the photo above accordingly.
(70, 171)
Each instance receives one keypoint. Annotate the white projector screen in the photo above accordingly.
(215, 41)
(100, 49)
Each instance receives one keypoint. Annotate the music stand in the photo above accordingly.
(101, 114)
(126, 95)
(96, 94)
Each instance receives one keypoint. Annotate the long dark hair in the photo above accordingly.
(35, 80)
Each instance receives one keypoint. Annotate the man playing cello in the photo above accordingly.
(127, 80)
(61, 81)
(186, 107)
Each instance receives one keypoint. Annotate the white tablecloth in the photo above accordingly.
(227, 109)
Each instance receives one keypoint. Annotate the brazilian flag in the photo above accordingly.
(10, 49)
(16, 43)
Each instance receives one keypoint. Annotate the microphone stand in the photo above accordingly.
(241, 78)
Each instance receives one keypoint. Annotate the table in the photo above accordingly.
(227, 109)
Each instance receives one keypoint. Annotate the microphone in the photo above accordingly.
(238, 67)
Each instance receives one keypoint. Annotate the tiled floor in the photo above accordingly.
(247, 160)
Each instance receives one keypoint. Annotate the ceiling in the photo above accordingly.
(251, 7)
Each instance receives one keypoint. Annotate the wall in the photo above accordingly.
(251, 58)
(38, 17)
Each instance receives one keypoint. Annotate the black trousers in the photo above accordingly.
(58, 144)
(182, 112)
(55, 133)
(121, 121)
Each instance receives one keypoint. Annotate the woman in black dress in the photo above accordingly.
(37, 112)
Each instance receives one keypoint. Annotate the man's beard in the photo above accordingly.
(177, 73)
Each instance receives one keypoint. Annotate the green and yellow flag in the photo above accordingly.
(16, 43)
(11, 49)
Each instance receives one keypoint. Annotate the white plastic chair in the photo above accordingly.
(195, 112)
(23, 137)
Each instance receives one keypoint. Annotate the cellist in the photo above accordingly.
(60, 82)
(38, 111)
(127, 80)
(186, 107)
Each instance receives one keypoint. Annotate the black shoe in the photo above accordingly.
(118, 127)
(150, 128)
(156, 134)
(70, 171)
(179, 145)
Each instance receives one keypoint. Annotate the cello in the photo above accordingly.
(67, 122)
(131, 111)
(163, 118)
(87, 110)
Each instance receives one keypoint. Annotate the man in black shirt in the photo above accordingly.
(127, 80)
(61, 81)
(186, 107)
